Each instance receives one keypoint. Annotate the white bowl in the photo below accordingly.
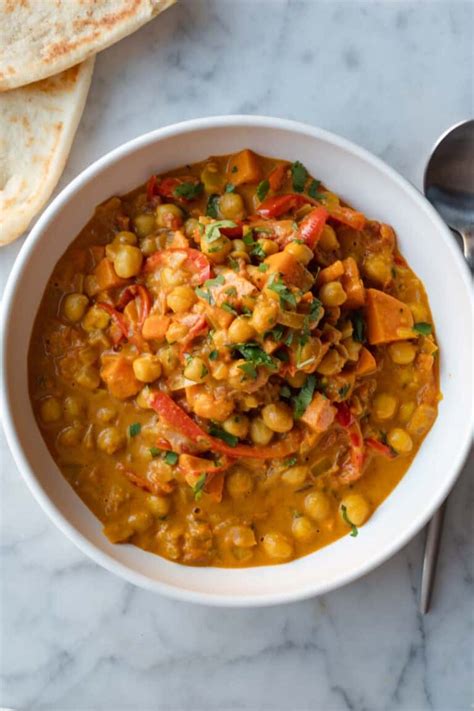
(370, 186)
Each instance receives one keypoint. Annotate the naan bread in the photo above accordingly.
(39, 38)
(37, 126)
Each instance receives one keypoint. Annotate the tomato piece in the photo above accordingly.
(344, 415)
(196, 263)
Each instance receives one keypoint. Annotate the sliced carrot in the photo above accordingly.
(244, 167)
(118, 375)
(366, 363)
(352, 284)
(388, 319)
(155, 327)
(106, 275)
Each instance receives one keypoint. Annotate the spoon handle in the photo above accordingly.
(467, 234)
(432, 544)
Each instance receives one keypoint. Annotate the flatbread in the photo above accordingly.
(37, 126)
(40, 38)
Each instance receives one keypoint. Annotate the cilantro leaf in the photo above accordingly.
(315, 310)
(354, 531)
(262, 189)
(188, 191)
(314, 188)
(254, 354)
(304, 397)
(213, 231)
(134, 429)
(226, 437)
(212, 209)
(342, 392)
(155, 452)
(262, 267)
(299, 175)
(424, 328)
(290, 462)
(358, 325)
(249, 369)
(227, 307)
(277, 285)
(215, 282)
(258, 251)
(229, 188)
(198, 487)
(213, 355)
(204, 294)
(171, 458)
(285, 392)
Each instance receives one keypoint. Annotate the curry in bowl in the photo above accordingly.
(231, 366)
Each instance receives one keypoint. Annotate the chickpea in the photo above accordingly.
(400, 440)
(385, 406)
(277, 546)
(308, 354)
(73, 407)
(140, 521)
(181, 299)
(301, 252)
(158, 505)
(205, 406)
(147, 368)
(74, 306)
(91, 286)
(328, 239)
(332, 294)
(331, 364)
(357, 509)
(50, 410)
(70, 436)
(125, 238)
(96, 319)
(237, 425)
(241, 536)
(269, 246)
(176, 332)
(238, 245)
(297, 380)
(110, 440)
(240, 330)
(217, 250)
(302, 529)
(106, 414)
(377, 268)
(143, 399)
(196, 370)
(128, 261)
(317, 505)
(295, 476)
(264, 315)
(172, 277)
(88, 355)
(420, 312)
(259, 432)
(148, 246)
(239, 483)
(169, 215)
(278, 417)
(190, 227)
(144, 224)
(88, 377)
(168, 358)
(406, 411)
(231, 206)
(402, 352)
(220, 371)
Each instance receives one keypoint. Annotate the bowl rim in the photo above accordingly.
(7, 311)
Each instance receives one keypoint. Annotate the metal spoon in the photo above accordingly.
(449, 186)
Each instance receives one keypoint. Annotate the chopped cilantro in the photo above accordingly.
(204, 371)
(203, 294)
(277, 285)
(263, 267)
(213, 355)
(218, 432)
(424, 328)
(134, 429)
(213, 231)
(234, 169)
(229, 188)
(285, 391)
(276, 333)
(289, 338)
(247, 238)
(198, 487)
(313, 190)
(358, 325)
(171, 458)
(227, 307)
(215, 282)
(304, 397)
(299, 176)
(315, 310)
(290, 462)
(354, 531)
(246, 311)
(258, 251)
(262, 189)
(212, 209)
(254, 354)
(249, 369)
(231, 291)
(154, 451)
(233, 264)
(188, 191)
(344, 390)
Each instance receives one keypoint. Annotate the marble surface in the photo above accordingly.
(390, 76)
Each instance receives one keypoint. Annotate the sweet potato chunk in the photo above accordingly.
(388, 319)
(292, 271)
(117, 373)
(319, 414)
(155, 326)
(366, 363)
(331, 273)
(352, 284)
(244, 167)
(106, 276)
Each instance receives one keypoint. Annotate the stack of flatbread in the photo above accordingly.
(47, 50)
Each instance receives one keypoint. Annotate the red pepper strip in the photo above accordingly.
(133, 291)
(277, 176)
(117, 318)
(311, 227)
(379, 447)
(344, 415)
(153, 487)
(276, 206)
(167, 186)
(199, 328)
(166, 408)
(347, 216)
(196, 262)
(232, 232)
(352, 467)
(150, 188)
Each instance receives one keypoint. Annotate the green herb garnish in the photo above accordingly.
(215, 282)
(299, 175)
(358, 325)
(258, 251)
(134, 429)
(262, 189)
(218, 432)
(212, 209)
(204, 371)
(227, 307)
(188, 191)
(263, 267)
(213, 355)
(231, 291)
(171, 458)
(198, 487)
(155, 452)
(213, 231)
(290, 462)
(285, 392)
(313, 190)
(229, 188)
(342, 392)
(249, 369)
(424, 328)
(354, 531)
(254, 354)
(277, 285)
(233, 264)
(304, 397)
(234, 169)
(203, 294)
